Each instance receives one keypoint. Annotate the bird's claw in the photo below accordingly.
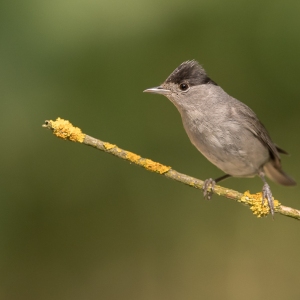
(267, 194)
(207, 183)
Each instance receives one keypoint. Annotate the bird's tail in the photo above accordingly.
(276, 174)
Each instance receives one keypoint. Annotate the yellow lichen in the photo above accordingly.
(255, 201)
(108, 146)
(65, 130)
(154, 166)
(132, 157)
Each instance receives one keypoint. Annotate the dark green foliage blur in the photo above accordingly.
(76, 223)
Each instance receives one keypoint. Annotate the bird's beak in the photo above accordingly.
(157, 90)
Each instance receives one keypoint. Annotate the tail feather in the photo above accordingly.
(276, 174)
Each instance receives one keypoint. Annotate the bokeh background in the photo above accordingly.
(76, 223)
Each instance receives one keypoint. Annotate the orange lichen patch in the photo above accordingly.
(132, 157)
(255, 201)
(147, 163)
(65, 130)
(108, 146)
(154, 166)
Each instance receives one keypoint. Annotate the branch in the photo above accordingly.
(65, 130)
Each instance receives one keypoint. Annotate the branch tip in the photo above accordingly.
(65, 130)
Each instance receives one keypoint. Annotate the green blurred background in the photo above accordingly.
(76, 223)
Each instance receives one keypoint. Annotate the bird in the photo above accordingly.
(225, 130)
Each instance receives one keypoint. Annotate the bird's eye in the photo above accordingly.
(183, 86)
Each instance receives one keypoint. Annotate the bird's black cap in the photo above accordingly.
(191, 72)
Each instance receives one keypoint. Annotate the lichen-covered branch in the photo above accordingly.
(65, 130)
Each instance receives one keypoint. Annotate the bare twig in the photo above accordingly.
(65, 130)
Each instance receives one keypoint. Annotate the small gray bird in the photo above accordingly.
(226, 131)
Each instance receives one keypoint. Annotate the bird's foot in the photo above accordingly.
(207, 183)
(267, 194)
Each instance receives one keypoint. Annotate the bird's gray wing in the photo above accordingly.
(253, 124)
(280, 150)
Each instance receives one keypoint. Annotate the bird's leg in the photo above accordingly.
(210, 182)
(206, 193)
(267, 194)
